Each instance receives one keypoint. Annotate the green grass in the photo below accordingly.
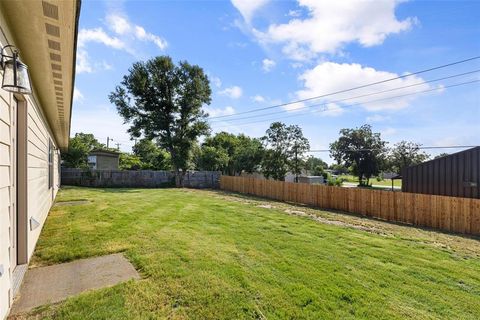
(373, 181)
(212, 255)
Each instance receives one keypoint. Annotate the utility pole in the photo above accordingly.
(108, 141)
(118, 145)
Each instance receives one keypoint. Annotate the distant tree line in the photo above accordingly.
(162, 103)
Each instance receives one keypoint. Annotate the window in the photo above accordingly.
(50, 164)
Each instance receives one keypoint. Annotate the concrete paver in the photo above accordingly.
(57, 282)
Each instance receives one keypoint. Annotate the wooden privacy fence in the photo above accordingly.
(440, 212)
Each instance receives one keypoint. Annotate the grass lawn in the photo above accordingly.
(214, 255)
(374, 181)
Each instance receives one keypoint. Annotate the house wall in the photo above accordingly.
(6, 203)
(106, 162)
(39, 196)
(456, 175)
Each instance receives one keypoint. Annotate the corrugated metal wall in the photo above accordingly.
(456, 175)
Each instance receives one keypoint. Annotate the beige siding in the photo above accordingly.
(6, 193)
(40, 196)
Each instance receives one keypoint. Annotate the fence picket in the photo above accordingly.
(440, 212)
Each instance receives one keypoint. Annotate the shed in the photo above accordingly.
(311, 179)
(103, 160)
(456, 175)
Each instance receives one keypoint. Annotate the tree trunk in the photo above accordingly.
(179, 176)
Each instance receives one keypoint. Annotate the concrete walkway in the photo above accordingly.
(56, 283)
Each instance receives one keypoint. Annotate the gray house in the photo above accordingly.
(103, 160)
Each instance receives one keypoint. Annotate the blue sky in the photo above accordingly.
(262, 53)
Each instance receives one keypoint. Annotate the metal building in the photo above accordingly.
(456, 175)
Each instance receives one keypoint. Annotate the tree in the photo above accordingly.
(248, 155)
(441, 155)
(362, 149)
(405, 154)
(225, 143)
(299, 145)
(163, 101)
(212, 159)
(316, 166)
(78, 148)
(129, 161)
(285, 149)
(152, 156)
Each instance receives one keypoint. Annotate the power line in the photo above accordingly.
(356, 104)
(420, 147)
(351, 89)
(355, 97)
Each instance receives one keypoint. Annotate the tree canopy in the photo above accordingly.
(78, 148)
(405, 154)
(163, 101)
(152, 157)
(285, 147)
(361, 149)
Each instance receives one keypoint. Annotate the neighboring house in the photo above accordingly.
(34, 127)
(456, 175)
(103, 160)
(311, 179)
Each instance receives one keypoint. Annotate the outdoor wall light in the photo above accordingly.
(15, 72)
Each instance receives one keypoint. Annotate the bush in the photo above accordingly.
(334, 181)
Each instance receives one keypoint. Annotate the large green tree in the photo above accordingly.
(405, 154)
(248, 155)
(152, 156)
(212, 159)
(163, 101)
(361, 149)
(78, 148)
(299, 145)
(315, 165)
(285, 147)
(225, 143)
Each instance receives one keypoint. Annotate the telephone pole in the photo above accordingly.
(118, 145)
(108, 141)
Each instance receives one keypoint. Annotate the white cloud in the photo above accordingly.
(377, 118)
(331, 25)
(216, 81)
(248, 7)
(387, 132)
(77, 95)
(126, 38)
(121, 25)
(215, 112)
(331, 77)
(141, 34)
(233, 92)
(118, 23)
(100, 36)
(268, 65)
(258, 98)
(331, 110)
(294, 13)
(83, 64)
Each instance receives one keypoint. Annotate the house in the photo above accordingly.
(103, 160)
(456, 175)
(35, 109)
(311, 179)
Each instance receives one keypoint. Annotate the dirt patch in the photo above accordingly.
(334, 222)
(266, 206)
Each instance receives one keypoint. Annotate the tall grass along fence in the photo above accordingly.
(137, 179)
(453, 214)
